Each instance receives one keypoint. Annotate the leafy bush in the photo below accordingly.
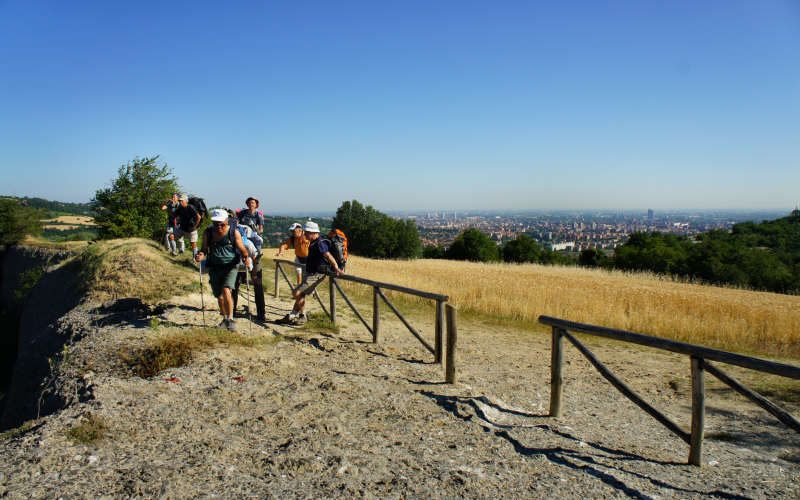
(131, 207)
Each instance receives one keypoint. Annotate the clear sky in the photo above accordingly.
(408, 105)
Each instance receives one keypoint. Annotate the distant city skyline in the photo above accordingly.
(409, 106)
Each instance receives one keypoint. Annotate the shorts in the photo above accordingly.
(222, 277)
(180, 233)
(302, 261)
(310, 282)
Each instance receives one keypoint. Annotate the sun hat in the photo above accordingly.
(311, 227)
(295, 225)
(184, 197)
(247, 201)
(219, 215)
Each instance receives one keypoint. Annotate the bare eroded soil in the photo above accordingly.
(319, 414)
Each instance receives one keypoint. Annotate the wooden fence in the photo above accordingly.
(445, 313)
(700, 362)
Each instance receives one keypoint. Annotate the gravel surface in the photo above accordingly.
(333, 415)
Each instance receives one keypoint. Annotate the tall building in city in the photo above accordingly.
(650, 214)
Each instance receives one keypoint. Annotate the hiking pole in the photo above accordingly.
(249, 319)
(202, 297)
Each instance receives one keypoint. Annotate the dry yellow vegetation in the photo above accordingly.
(724, 318)
(65, 222)
(134, 267)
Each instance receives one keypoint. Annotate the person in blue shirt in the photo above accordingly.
(319, 264)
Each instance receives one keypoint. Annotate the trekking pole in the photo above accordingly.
(249, 319)
(202, 297)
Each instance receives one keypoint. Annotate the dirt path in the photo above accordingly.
(333, 415)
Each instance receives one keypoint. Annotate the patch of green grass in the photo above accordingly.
(90, 430)
(18, 431)
(178, 347)
(784, 390)
(791, 456)
(720, 436)
(320, 321)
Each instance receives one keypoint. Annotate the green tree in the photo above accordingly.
(593, 257)
(374, 234)
(473, 245)
(131, 207)
(16, 221)
(522, 249)
(433, 252)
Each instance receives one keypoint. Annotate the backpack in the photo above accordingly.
(252, 221)
(337, 243)
(199, 205)
(231, 239)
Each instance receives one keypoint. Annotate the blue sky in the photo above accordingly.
(409, 105)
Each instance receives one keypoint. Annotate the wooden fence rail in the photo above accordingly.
(442, 321)
(699, 356)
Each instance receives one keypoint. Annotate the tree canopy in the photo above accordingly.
(371, 233)
(16, 221)
(131, 207)
(474, 245)
(763, 256)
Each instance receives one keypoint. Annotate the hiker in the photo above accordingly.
(171, 206)
(252, 242)
(300, 244)
(188, 219)
(319, 264)
(220, 244)
(254, 219)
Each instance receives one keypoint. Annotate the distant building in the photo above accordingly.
(650, 214)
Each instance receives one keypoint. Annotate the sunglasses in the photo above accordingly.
(220, 224)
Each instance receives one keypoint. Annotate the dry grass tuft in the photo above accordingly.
(177, 347)
(90, 430)
(724, 318)
(320, 321)
(133, 267)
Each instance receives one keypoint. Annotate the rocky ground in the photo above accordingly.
(321, 414)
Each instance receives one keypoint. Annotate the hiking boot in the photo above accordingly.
(299, 320)
(261, 319)
(286, 320)
(223, 324)
(231, 325)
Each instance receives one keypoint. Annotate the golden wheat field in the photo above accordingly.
(725, 318)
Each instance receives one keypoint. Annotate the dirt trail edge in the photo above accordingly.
(333, 415)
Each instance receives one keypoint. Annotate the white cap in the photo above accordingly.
(311, 227)
(219, 215)
(295, 225)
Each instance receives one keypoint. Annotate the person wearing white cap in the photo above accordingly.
(220, 244)
(319, 265)
(300, 244)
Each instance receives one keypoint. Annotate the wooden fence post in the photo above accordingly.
(698, 412)
(439, 331)
(452, 333)
(277, 276)
(556, 360)
(376, 315)
(332, 296)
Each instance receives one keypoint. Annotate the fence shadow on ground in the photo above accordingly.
(590, 462)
